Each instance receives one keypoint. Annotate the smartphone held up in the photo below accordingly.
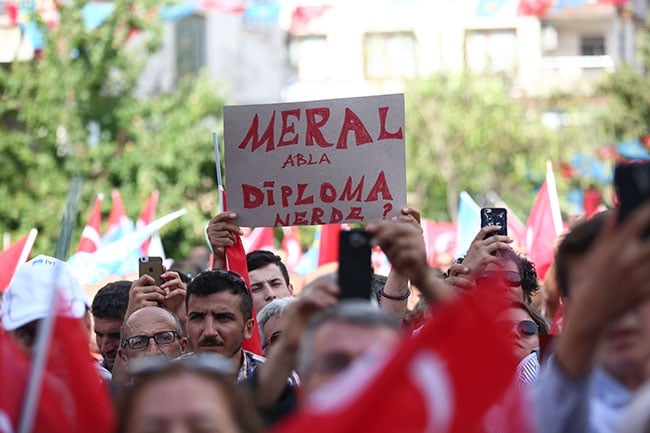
(152, 266)
(355, 266)
(632, 185)
(495, 216)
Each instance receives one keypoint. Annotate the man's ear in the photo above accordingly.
(248, 328)
(183, 344)
(290, 287)
(121, 354)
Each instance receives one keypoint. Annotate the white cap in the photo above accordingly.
(29, 294)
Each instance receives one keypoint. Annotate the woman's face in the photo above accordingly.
(185, 403)
(517, 321)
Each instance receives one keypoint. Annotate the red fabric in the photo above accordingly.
(538, 8)
(302, 15)
(443, 378)
(224, 6)
(118, 213)
(147, 215)
(328, 250)
(90, 237)
(540, 232)
(73, 398)
(440, 240)
(260, 238)
(236, 262)
(592, 200)
(12, 12)
(15, 255)
(291, 247)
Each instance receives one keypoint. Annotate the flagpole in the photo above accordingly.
(217, 160)
(553, 198)
(40, 352)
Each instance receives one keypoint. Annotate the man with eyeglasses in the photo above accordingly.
(151, 331)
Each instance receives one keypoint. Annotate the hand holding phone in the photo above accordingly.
(495, 216)
(355, 267)
(152, 266)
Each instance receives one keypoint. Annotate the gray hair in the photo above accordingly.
(276, 307)
(355, 312)
(177, 322)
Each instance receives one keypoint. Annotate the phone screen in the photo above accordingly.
(632, 184)
(495, 216)
(355, 268)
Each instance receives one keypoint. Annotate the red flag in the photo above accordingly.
(15, 255)
(147, 215)
(440, 240)
(119, 223)
(592, 201)
(224, 6)
(260, 238)
(433, 381)
(328, 251)
(73, 397)
(90, 237)
(543, 226)
(538, 8)
(236, 262)
(291, 246)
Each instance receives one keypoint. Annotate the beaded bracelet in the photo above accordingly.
(394, 298)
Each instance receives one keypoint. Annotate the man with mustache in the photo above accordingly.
(220, 317)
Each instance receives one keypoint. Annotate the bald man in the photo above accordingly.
(151, 331)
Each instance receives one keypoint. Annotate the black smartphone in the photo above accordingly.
(632, 185)
(151, 266)
(355, 267)
(495, 216)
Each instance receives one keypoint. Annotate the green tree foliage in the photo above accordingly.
(627, 92)
(466, 132)
(87, 77)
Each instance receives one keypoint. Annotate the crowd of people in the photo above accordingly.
(176, 358)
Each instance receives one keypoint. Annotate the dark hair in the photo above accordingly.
(529, 281)
(111, 301)
(576, 244)
(260, 258)
(237, 401)
(542, 325)
(218, 281)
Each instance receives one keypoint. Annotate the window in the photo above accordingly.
(592, 46)
(190, 45)
(309, 57)
(491, 50)
(390, 55)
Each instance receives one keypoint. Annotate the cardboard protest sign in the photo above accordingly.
(316, 162)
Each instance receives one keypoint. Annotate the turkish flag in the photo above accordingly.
(292, 247)
(544, 224)
(260, 238)
(440, 241)
(15, 255)
(73, 397)
(147, 215)
(236, 262)
(90, 237)
(443, 378)
(328, 250)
